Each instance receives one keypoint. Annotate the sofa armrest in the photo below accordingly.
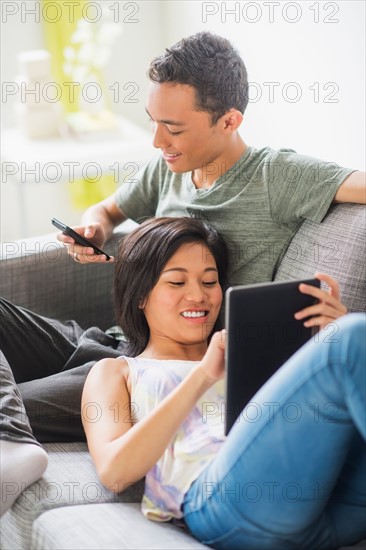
(38, 274)
(335, 246)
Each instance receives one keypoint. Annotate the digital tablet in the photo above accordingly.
(262, 334)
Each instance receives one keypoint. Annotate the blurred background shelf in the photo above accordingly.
(38, 175)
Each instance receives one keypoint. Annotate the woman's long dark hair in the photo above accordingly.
(141, 258)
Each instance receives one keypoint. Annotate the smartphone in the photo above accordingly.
(77, 238)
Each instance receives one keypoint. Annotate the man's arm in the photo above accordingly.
(353, 189)
(105, 212)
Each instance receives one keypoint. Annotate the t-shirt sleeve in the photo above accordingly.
(138, 196)
(301, 187)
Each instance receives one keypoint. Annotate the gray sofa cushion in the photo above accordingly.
(69, 509)
(70, 480)
(107, 527)
(340, 253)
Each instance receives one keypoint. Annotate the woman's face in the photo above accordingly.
(185, 302)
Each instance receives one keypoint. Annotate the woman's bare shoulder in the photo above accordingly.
(109, 368)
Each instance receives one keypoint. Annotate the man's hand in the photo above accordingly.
(329, 306)
(94, 232)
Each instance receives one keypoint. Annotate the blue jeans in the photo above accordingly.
(292, 472)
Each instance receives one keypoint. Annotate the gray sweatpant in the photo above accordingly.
(14, 422)
(44, 364)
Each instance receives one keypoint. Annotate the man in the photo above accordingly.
(256, 198)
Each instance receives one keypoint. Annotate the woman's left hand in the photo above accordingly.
(329, 306)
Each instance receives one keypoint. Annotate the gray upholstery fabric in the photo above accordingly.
(39, 274)
(336, 246)
(107, 527)
(70, 480)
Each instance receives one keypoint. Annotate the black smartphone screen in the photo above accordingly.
(77, 238)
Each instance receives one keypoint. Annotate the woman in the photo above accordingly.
(269, 483)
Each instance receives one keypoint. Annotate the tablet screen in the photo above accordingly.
(262, 334)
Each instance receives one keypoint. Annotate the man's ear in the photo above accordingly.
(231, 120)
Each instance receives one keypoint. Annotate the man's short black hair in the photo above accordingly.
(212, 66)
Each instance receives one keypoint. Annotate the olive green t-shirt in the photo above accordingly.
(257, 205)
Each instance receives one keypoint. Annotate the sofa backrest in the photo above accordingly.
(336, 246)
(38, 274)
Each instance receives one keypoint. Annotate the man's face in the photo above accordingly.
(184, 135)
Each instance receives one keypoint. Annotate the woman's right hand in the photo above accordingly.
(213, 362)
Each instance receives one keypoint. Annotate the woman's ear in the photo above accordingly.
(142, 303)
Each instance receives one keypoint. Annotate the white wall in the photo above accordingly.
(304, 52)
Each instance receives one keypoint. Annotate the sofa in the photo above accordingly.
(69, 508)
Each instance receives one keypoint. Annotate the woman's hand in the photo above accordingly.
(94, 232)
(213, 362)
(328, 309)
